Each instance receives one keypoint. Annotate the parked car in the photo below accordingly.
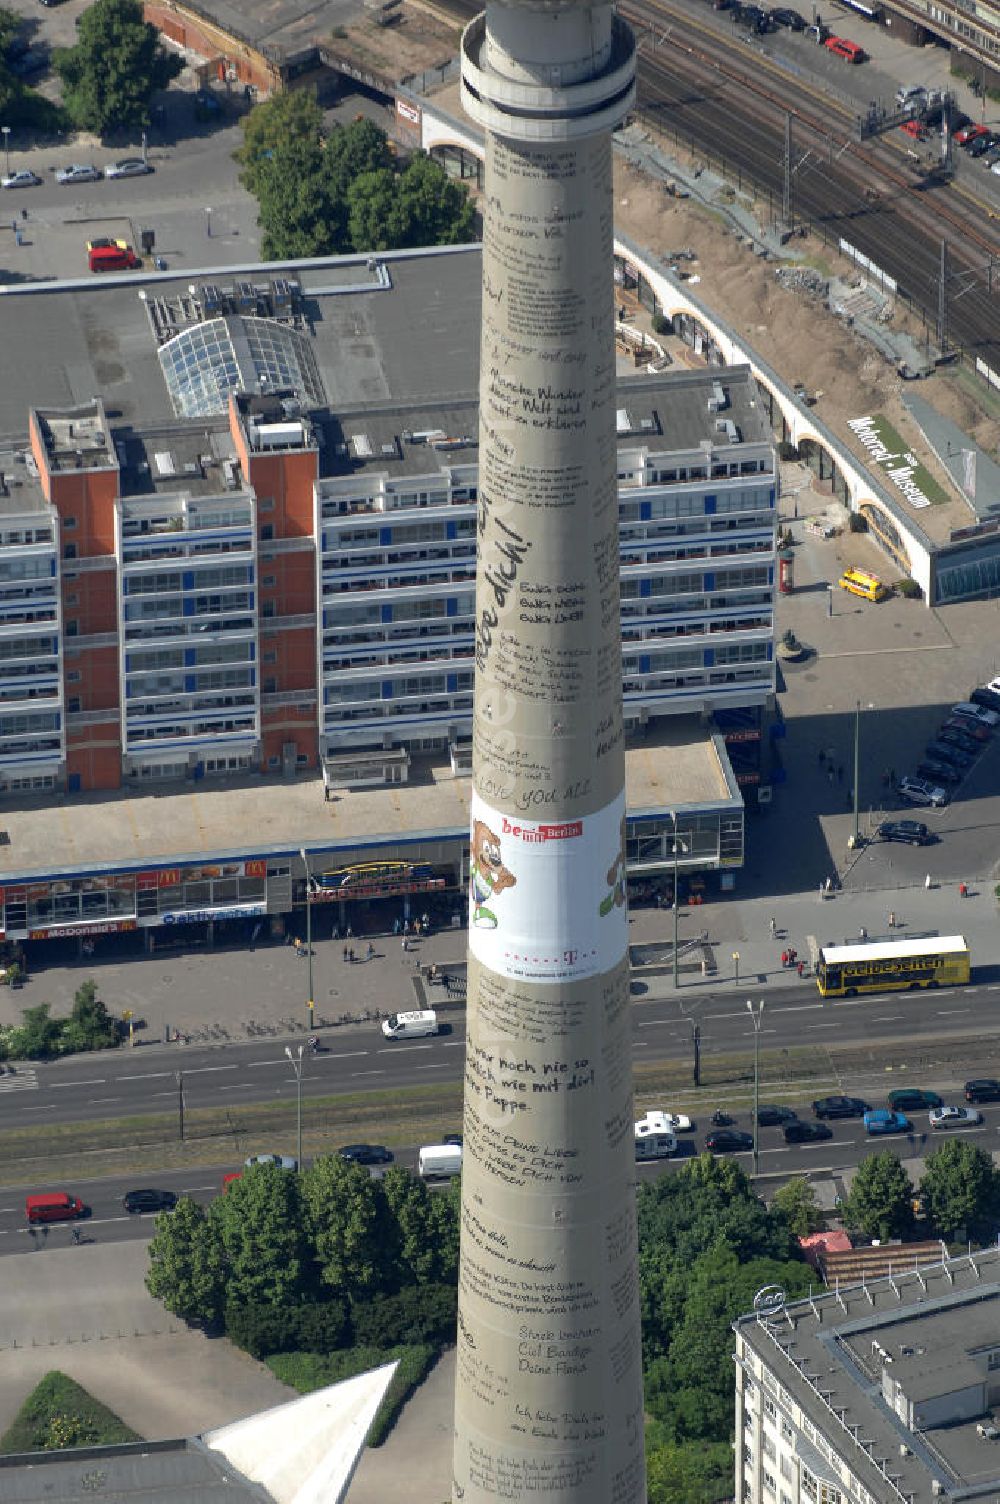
(755, 17)
(283, 1161)
(840, 1107)
(366, 1154)
(982, 1089)
(128, 167)
(911, 97)
(954, 1117)
(806, 1133)
(728, 1141)
(938, 772)
(916, 791)
(914, 832)
(969, 133)
(971, 730)
(912, 1099)
(788, 18)
(23, 178)
(952, 738)
(915, 129)
(994, 685)
(774, 1117)
(663, 1122)
(879, 1121)
(951, 753)
(149, 1201)
(988, 698)
(842, 48)
(980, 146)
(79, 172)
(978, 713)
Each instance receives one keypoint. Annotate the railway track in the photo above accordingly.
(693, 84)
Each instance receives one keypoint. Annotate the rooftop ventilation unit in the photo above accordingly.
(212, 299)
(361, 444)
(728, 427)
(623, 422)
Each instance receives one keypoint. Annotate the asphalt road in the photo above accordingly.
(357, 1057)
(108, 1222)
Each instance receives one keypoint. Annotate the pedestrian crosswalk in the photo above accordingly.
(24, 1078)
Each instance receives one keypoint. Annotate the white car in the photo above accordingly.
(21, 179)
(663, 1122)
(917, 791)
(128, 167)
(79, 172)
(977, 713)
(954, 1117)
(283, 1161)
(993, 685)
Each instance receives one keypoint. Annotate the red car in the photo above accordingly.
(849, 51)
(969, 133)
(916, 129)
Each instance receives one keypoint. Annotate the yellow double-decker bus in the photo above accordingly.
(879, 966)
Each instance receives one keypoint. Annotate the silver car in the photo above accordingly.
(21, 179)
(916, 791)
(78, 172)
(128, 167)
(954, 1117)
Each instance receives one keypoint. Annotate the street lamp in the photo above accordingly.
(208, 221)
(296, 1060)
(6, 145)
(755, 1019)
(857, 770)
(682, 846)
(310, 1001)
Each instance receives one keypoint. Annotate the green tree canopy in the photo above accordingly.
(186, 1269)
(356, 1241)
(961, 1189)
(880, 1201)
(323, 193)
(796, 1201)
(90, 1025)
(425, 1256)
(117, 65)
(691, 1390)
(687, 1472)
(263, 1237)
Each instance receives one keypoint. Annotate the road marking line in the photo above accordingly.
(821, 1026)
(204, 1070)
(403, 1049)
(151, 1076)
(358, 1074)
(50, 1108)
(951, 1012)
(803, 1008)
(61, 1085)
(887, 1018)
(238, 1086)
(440, 1067)
(96, 1101)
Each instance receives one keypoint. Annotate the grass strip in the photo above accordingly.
(60, 1413)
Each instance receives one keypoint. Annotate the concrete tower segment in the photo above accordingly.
(549, 1386)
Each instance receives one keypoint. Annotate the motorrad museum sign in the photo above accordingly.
(902, 467)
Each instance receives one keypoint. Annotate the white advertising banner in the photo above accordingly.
(547, 898)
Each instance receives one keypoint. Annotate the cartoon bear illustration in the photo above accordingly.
(487, 874)
(615, 878)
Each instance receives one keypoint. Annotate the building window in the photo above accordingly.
(269, 579)
(69, 550)
(72, 600)
(267, 532)
(74, 676)
(73, 704)
(69, 522)
(266, 504)
(270, 685)
(73, 628)
(271, 657)
(267, 608)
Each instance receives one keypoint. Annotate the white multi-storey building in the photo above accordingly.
(32, 719)
(396, 540)
(885, 1392)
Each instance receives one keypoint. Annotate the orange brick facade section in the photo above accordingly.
(186, 28)
(85, 503)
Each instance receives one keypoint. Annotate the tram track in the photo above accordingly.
(693, 88)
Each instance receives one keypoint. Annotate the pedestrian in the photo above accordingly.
(963, 890)
(774, 927)
(927, 881)
(395, 926)
(335, 934)
(892, 919)
(784, 958)
(406, 944)
(345, 952)
(371, 950)
(862, 933)
(793, 957)
(801, 968)
(829, 885)
(350, 955)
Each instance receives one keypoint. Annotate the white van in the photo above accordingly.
(658, 1144)
(439, 1161)
(911, 97)
(414, 1025)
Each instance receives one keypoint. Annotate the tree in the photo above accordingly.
(185, 1264)
(263, 1237)
(117, 65)
(375, 217)
(356, 1242)
(423, 1258)
(880, 1201)
(284, 120)
(39, 1034)
(687, 1472)
(961, 1189)
(796, 1201)
(435, 209)
(359, 147)
(301, 210)
(90, 1025)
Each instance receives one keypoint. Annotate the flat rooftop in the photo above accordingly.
(830, 1351)
(376, 338)
(678, 765)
